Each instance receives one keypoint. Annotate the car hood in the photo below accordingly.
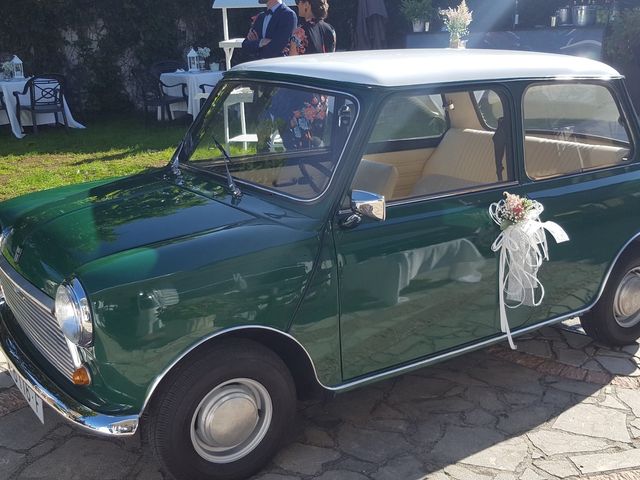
(52, 234)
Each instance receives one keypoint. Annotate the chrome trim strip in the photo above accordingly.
(202, 341)
(404, 368)
(454, 353)
(444, 195)
(53, 396)
(75, 353)
(18, 281)
(340, 157)
(355, 383)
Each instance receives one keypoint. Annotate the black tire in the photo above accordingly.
(168, 428)
(612, 322)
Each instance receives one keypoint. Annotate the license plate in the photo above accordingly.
(34, 401)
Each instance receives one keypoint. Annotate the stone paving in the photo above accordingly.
(561, 406)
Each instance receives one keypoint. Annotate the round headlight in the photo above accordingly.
(73, 313)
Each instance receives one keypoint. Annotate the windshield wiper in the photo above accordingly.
(233, 188)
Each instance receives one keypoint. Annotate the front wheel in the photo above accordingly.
(615, 320)
(222, 415)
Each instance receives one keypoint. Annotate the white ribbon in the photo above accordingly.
(523, 248)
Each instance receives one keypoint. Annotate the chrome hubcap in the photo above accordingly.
(626, 304)
(231, 420)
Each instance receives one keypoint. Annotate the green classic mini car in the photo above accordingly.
(323, 224)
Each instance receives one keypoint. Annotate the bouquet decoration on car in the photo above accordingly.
(523, 247)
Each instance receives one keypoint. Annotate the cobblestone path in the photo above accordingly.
(559, 407)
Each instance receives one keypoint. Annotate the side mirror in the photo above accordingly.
(370, 205)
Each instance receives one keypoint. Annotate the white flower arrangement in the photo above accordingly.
(204, 52)
(7, 69)
(457, 20)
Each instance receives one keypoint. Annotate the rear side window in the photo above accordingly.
(571, 128)
(410, 117)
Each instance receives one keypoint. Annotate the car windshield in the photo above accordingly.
(279, 137)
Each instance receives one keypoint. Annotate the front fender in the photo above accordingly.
(152, 304)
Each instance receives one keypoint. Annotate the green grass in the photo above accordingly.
(110, 147)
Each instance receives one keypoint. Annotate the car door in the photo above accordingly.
(424, 280)
(578, 162)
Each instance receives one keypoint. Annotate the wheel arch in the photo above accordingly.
(633, 244)
(292, 353)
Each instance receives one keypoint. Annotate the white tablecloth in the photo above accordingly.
(193, 81)
(8, 87)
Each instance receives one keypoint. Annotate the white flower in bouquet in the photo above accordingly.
(7, 69)
(457, 20)
(204, 52)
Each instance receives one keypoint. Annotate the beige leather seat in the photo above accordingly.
(464, 158)
(546, 157)
(376, 177)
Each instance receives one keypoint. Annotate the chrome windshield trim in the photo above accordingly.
(52, 395)
(350, 96)
(19, 282)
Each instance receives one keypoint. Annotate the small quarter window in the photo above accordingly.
(571, 128)
(410, 117)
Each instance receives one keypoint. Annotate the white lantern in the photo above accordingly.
(192, 60)
(16, 65)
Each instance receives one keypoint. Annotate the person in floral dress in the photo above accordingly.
(313, 34)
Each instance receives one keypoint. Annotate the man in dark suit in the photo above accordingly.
(271, 31)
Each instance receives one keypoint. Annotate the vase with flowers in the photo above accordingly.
(457, 21)
(203, 54)
(7, 70)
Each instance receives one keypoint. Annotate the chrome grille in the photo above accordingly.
(35, 320)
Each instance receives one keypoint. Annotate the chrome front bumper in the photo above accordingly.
(53, 396)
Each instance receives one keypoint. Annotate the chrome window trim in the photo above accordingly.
(340, 157)
(444, 195)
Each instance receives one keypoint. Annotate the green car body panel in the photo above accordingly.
(168, 260)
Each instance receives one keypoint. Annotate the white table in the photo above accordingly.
(9, 117)
(193, 81)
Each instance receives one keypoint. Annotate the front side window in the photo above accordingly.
(571, 128)
(279, 137)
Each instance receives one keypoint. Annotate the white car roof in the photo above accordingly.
(422, 66)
